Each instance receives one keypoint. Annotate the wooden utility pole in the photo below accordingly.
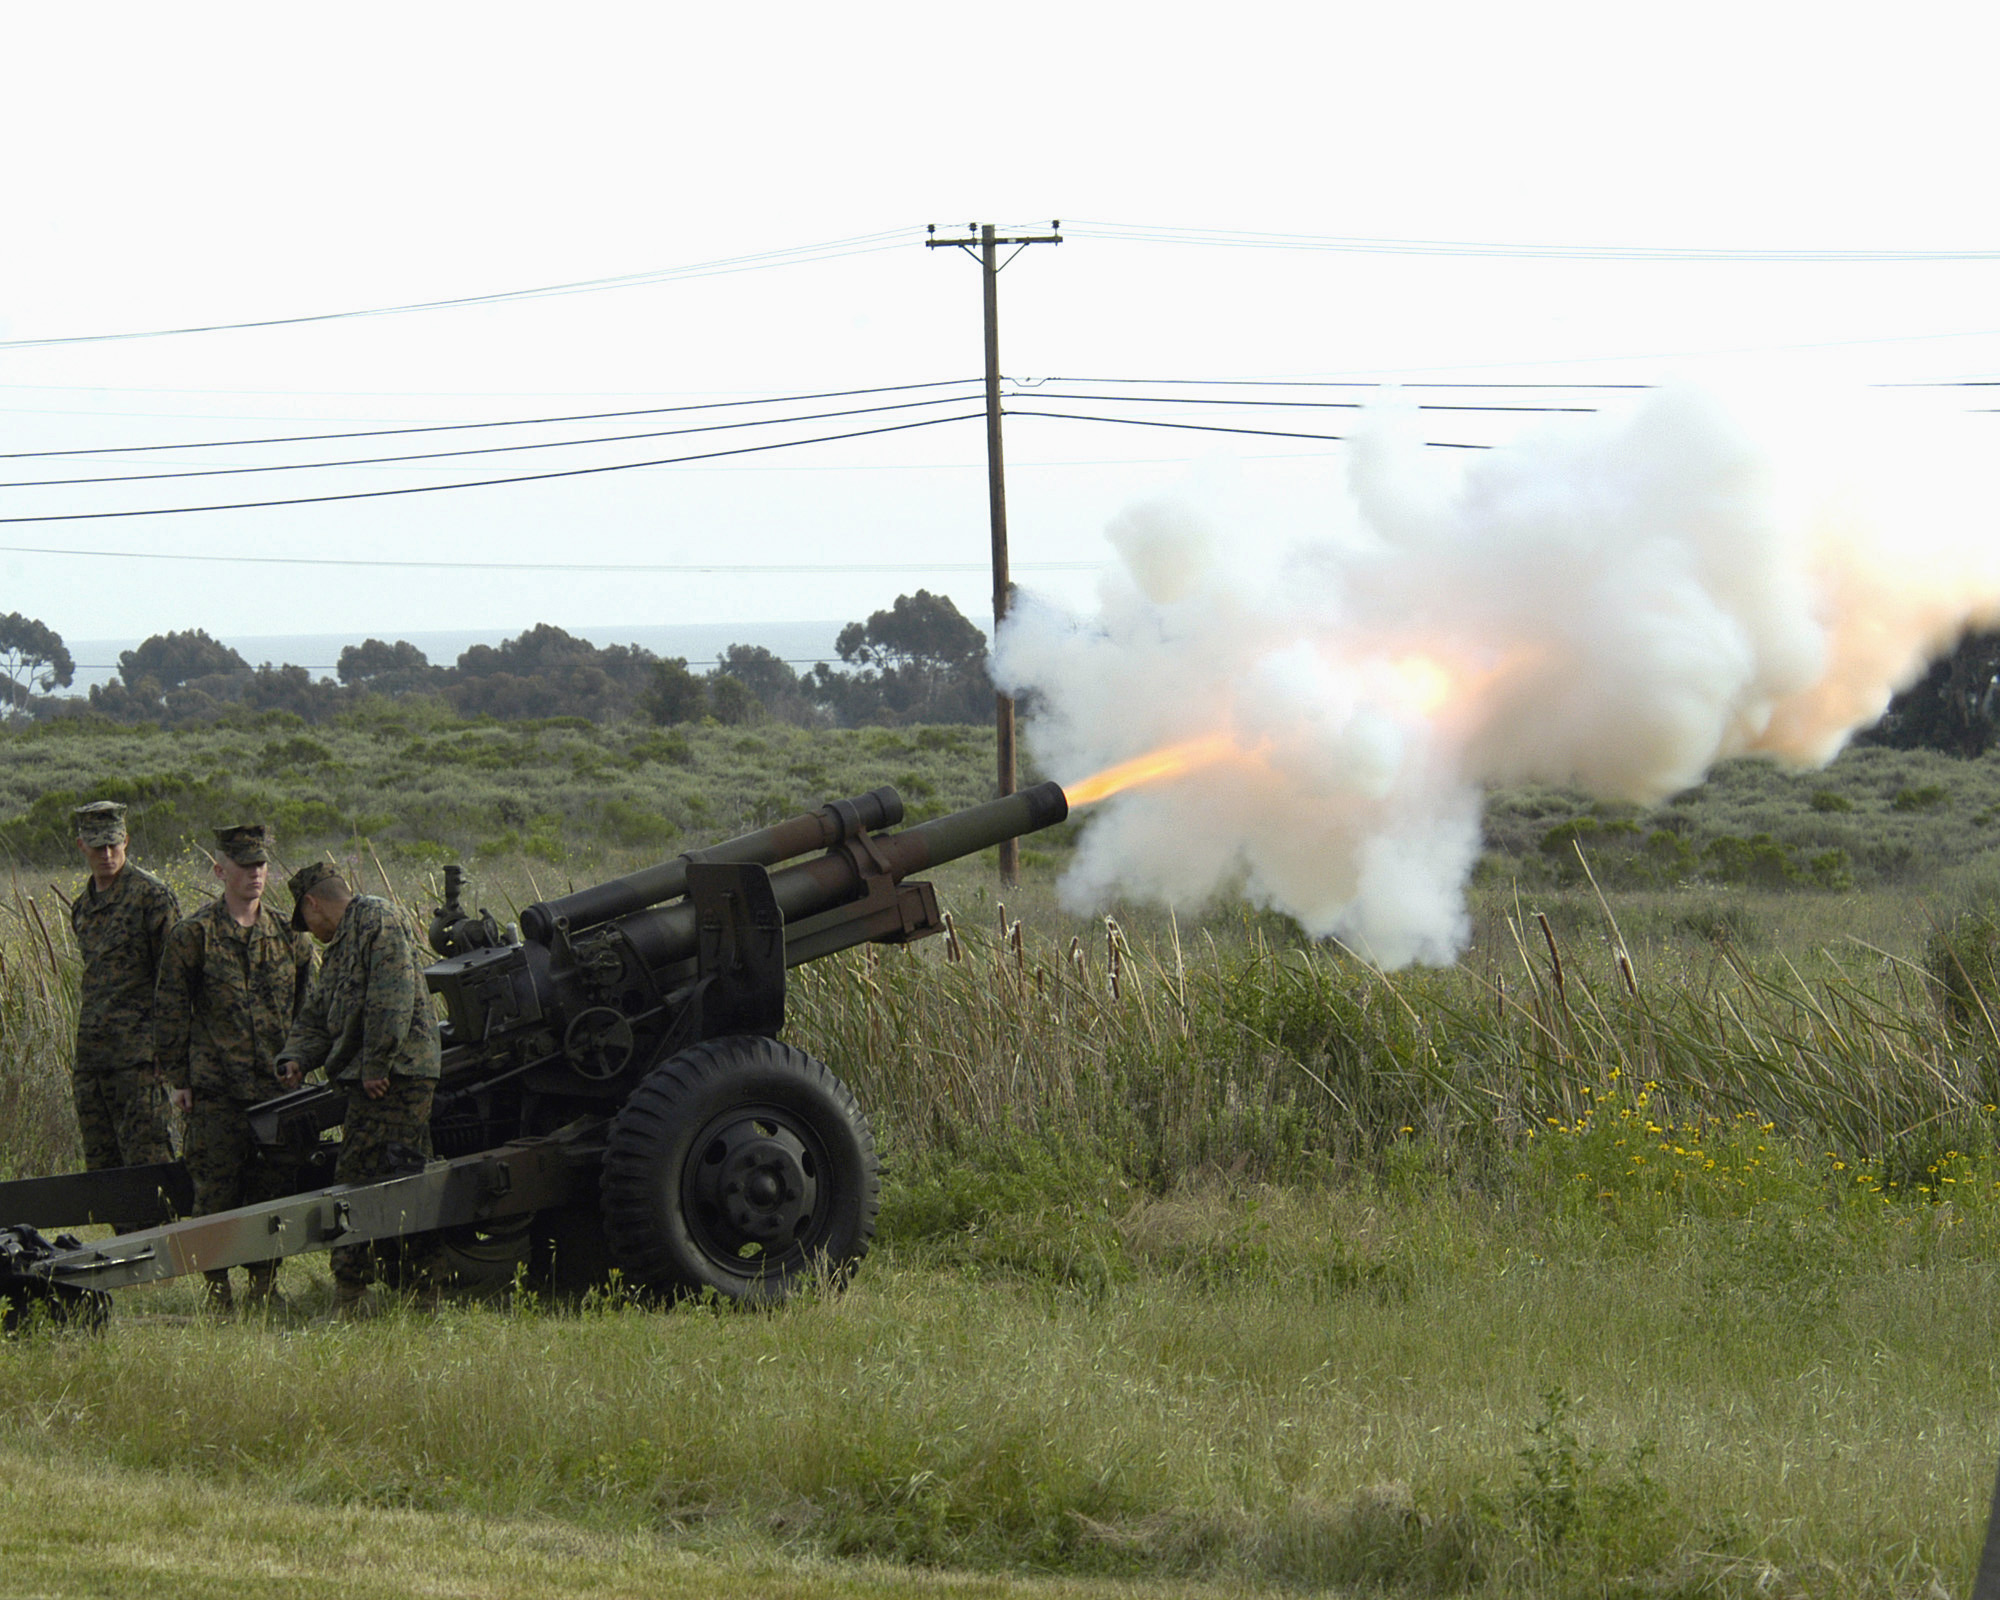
(996, 486)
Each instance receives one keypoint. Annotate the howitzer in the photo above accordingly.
(614, 1093)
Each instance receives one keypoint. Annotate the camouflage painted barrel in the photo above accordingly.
(834, 822)
(669, 934)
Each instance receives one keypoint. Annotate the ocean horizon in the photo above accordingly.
(800, 643)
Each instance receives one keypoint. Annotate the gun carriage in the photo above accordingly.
(615, 1095)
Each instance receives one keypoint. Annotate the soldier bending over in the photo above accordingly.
(368, 1021)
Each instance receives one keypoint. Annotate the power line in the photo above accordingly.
(722, 427)
(489, 483)
(1128, 233)
(1203, 427)
(1036, 393)
(511, 422)
(483, 450)
(710, 455)
(1141, 233)
(1329, 383)
(751, 567)
(796, 255)
(1283, 405)
(1030, 389)
(602, 416)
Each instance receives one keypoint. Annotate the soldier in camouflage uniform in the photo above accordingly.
(120, 918)
(368, 1020)
(232, 977)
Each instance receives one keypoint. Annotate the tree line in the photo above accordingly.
(1953, 707)
(918, 661)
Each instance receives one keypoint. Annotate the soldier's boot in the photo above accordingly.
(216, 1299)
(350, 1302)
(263, 1297)
(428, 1281)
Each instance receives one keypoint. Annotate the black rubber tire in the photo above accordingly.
(569, 1257)
(742, 1166)
(484, 1259)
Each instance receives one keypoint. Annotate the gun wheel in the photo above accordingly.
(741, 1166)
(484, 1259)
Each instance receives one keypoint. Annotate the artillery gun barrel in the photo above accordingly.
(833, 823)
(669, 934)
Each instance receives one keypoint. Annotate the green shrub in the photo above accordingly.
(1830, 869)
(628, 823)
(1761, 861)
(1621, 852)
(1574, 1509)
(1720, 923)
(294, 755)
(1963, 960)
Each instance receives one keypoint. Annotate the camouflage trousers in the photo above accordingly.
(123, 1118)
(400, 1117)
(222, 1160)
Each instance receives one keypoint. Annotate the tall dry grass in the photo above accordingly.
(1228, 1050)
(1178, 1057)
(39, 973)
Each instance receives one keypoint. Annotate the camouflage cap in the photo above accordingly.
(247, 844)
(312, 878)
(101, 822)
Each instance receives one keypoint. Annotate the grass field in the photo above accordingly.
(1652, 1250)
(181, 1537)
(1272, 1389)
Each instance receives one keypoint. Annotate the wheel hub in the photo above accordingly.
(755, 1180)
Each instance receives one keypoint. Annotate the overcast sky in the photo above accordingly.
(185, 167)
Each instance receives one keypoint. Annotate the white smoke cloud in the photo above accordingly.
(1617, 603)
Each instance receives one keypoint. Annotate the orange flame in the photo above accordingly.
(1443, 684)
(1427, 681)
(1169, 761)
